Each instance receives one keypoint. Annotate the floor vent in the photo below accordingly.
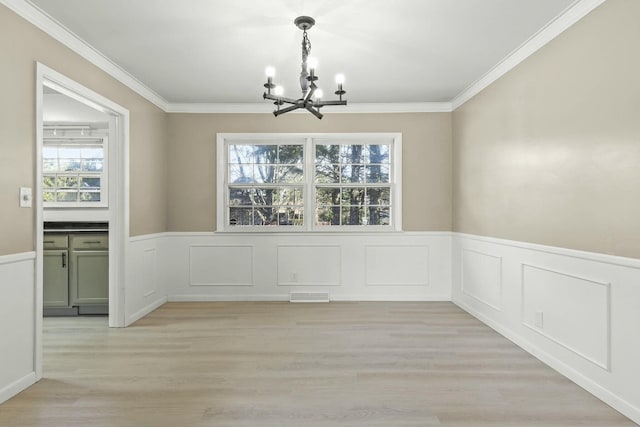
(309, 297)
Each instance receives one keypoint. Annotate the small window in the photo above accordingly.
(74, 169)
(309, 182)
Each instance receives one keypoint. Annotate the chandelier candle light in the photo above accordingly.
(311, 95)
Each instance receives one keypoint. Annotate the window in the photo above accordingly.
(319, 182)
(73, 169)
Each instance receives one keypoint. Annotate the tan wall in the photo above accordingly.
(550, 153)
(22, 45)
(426, 139)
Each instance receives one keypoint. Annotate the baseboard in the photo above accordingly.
(226, 298)
(17, 386)
(145, 310)
(592, 387)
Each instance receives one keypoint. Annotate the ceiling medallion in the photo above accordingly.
(311, 95)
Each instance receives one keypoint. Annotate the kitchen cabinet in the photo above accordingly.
(89, 273)
(76, 272)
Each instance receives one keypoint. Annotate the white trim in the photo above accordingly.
(222, 186)
(146, 310)
(556, 250)
(561, 23)
(59, 32)
(352, 108)
(17, 386)
(10, 259)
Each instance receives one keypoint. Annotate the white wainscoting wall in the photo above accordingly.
(17, 323)
(578, 312)
(266, 266)
(144, 292)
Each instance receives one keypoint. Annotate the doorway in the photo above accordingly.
(114, 209)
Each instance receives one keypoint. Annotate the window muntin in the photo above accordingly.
(265, 184)
(74, 171)
(293, 182)
(352, 184)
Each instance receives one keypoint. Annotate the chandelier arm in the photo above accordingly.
(313, 111)
(323, 103)
(312, 89)
(288, 109)
(280, 98)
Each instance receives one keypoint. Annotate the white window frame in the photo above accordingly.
(103, 175)
(222, 184)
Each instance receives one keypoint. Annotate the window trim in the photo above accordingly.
(103, 175)
(222, 185)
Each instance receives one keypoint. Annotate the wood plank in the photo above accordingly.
(278, 364)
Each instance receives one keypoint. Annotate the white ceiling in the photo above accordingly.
(215, 51)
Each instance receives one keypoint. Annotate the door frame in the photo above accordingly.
(118, 189)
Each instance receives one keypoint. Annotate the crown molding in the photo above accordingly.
(352, 108)
(53, 28)
(62, 34)
(570, 16)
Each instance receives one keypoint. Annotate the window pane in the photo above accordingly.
(48, 196)
(87, 182)
(49, 152)
(327, 154)
(69, 152)
(240, 174)
(377, 173)
(352, 215)
(266, 153)
(290, 174)
(288, 197)
(67, 196)
(378, 153)
(267, 215)
(351, 154)
(327, 173)
(329, 215)
(49, 181)
(290, 154)
(92, 165)
(378, 196)
(353, 196)
(93, 153)
(265, 174)
(67, 182)
(265, 196)
(353, 173)
(290, 216)
(69, 165)
(327, 196)
(379, 215)
(89, 196)
(241, 154)
(50, 165)
(240, 196)
(240, 216)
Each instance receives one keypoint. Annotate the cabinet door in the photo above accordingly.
(89, 277)
(55, 278)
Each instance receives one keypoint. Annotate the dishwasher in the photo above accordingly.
(75, 268)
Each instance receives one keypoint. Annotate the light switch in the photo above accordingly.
(25, 197)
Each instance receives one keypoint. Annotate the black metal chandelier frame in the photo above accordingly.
(308, 78)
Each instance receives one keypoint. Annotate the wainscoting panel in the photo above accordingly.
(579, 312)
(277, 264)
(397, 265)
(144, 292)
(17, 323)
(221, 265)
(572, 311)
(309, 265)
(482, 277)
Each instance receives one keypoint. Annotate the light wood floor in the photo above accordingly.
(279, 364)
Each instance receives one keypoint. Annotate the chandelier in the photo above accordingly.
(311, 95)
